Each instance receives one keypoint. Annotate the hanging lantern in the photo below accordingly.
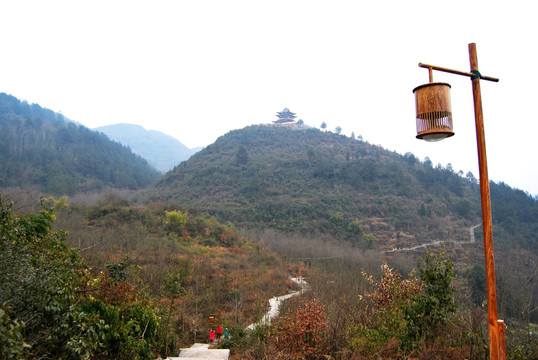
(434, 113)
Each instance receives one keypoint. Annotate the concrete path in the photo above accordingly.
(276, 302)
(202, 352)
(437, 242)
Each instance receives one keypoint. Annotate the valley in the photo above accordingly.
(105, 258)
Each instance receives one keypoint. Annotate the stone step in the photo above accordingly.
(201, 352)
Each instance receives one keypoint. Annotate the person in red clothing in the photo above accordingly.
(219, 332)
(211, 335)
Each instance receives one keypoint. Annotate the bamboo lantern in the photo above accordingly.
(434, 113)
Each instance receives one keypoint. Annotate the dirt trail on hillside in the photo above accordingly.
(471, 240)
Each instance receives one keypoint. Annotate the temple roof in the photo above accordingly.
(286, 113)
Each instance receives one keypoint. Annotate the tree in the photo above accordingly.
(53, 307)
(323, 125)
(428, 162)
(471, 177)
(241, 157)
(406, 315)
(410, 158)
(383, 323)
(476, 279)
(38, 278)
(176, 221)
(338, 130)
(427, 311)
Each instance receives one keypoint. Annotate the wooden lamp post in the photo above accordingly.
(434, 122)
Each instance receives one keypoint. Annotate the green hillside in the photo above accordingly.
(307, 181)
(42, 149)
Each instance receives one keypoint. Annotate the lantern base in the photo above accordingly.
(435, 135)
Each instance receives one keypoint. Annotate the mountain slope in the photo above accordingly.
(161, 150)
(308, 181)
(39, 148)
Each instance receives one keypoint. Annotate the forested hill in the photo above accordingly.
(42, 149)
(308, 181)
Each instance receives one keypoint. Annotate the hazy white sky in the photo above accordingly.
(198, 69)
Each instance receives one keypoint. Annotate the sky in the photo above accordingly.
(198, 69)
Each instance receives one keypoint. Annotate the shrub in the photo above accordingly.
(304, 334)
(426, 312)
(407, 316)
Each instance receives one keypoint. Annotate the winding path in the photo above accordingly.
(203, 352)
(437, 242)
(276, 302)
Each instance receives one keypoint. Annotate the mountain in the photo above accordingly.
(306, 181)
(161, 150)
(40, 148)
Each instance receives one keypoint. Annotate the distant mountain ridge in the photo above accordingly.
(162, 151)
(42, 149)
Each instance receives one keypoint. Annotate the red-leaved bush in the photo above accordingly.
(303, 335)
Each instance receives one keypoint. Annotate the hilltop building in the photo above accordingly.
(285, 117)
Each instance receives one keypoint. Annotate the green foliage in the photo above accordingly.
(52, 306)
(238, 339)
(428, 311)
(405, 315)
(57, 205)
(515, 212)
(241, 158)
(12, 344)
(172, 284)
(118, 271)
(476, 278)
(38, 277)
(176, 220)
(463, 207)
(384, 326)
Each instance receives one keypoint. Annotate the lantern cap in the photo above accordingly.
(431, 84)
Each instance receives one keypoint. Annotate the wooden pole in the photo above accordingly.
(486, 211)
(502, 343)
(497, 347)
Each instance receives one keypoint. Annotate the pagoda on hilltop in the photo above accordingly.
(285, 116)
